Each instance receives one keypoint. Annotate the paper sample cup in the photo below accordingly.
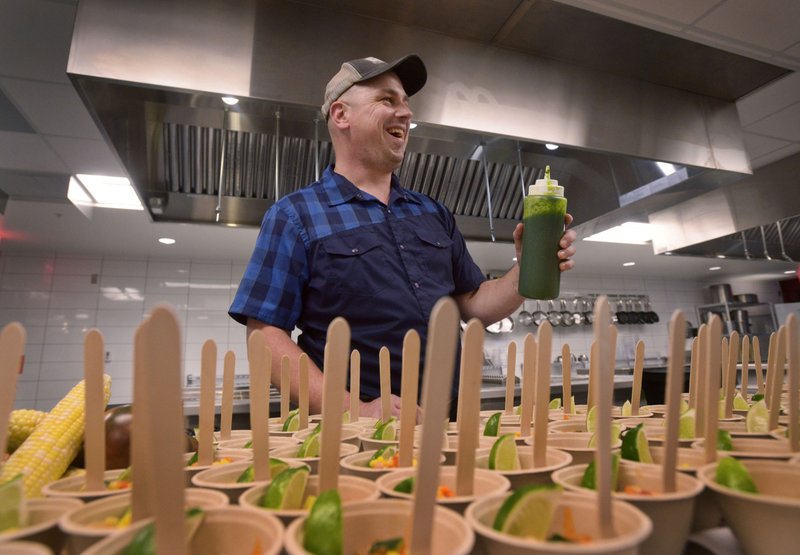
(367, 522)
(43, 516)
(754, 448)
(527, 474)
(356, 465)
(290, 454)
(240, 442)
(72, 486)
(24, 548)
(350, 433)
(576, 444)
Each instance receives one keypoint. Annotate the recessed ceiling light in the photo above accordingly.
(514, 259)
(551, 146)
(103, 191)
(631, 233)
(721, 256)
(412, 125)
(230, 100)
(790, 272)
(629, 263)
(715, 268)
(667, 253)
(166, 241)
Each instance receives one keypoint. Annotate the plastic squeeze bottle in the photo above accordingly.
(543, 216)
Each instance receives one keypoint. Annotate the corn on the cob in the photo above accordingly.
(49, 450)
(21, 423)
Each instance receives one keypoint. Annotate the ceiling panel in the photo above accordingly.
(683, 11)
(52, 108)
(86, 156)
(10, 118)
(780, 94)
(771, 24)
(775, 155)
(784, 124)
(50, 187)
(25, 151)
(758, 145)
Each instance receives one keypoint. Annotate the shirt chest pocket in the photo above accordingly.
(436, 254)
(356, 263)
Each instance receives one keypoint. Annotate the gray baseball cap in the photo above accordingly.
(409, 69)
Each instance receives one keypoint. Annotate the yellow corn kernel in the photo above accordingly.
(49, 450)
(21, 424)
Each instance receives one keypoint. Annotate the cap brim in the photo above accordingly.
(409, 69)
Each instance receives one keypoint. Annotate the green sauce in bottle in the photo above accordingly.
(543, 216)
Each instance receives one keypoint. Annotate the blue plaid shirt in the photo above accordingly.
(332, 250)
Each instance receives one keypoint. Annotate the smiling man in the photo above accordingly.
(357, 244)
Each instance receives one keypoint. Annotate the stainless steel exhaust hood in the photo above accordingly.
(152, 74)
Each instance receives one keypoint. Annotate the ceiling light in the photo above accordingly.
(721, 256)
(514, 259)
(666, 169)
(551, 146)
(789, 272)
(103, 191)
(629, 263)
(166, 241)
(630, 233)
(230, 100)
(668, 253)
(412, 125)
(715, 268)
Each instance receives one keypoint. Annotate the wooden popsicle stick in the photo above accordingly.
(730, 375)
(771, 361)
(302, 396)
(334, 380)
(438, 378)
(603, 393)
(638, 369)
(208, 392)
(777, 381)
(12, 353)
(594, 355)
(259, 359)
(675, 370)
(460, 406)
(711, 388)
(693, 374)
(164, 402)
(543, 352)
(94, 436)
(226, 410)
(386, 383)
(702, 362)
(143, 497)
(528, 385)
(355, 385)
(566, 378)
(793, 342)
(745, 382)
(724, 353)
(286, 387)
(511, 376)
(759, 367)
(472, 359)
(408, 397)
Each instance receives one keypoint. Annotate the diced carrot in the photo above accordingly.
(444, 491)
(569, 523)
(257, 549)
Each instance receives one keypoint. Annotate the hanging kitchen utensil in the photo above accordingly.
(652, 315)
(780, 242)
(638, 307)
(553, 316)
(566, 315)
(621, 316)
(588, 313)
(539, 316)
(578, 318)
(524, 318)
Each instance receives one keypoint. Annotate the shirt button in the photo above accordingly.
(416, 284)
(438, 244)
(402, 247)
(355, 251)
(389, 210)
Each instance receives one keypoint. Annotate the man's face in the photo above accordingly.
(379, 119)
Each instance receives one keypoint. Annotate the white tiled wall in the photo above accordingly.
(665, 295)
(59, 298)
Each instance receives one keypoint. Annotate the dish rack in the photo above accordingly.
(492, 373)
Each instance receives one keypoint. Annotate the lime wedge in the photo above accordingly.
(405, 486)
(310, 446)
(528, 511)
(12, 504)
(346, 417)
(287, 489)
(492, 425)
(739, 403)
(627, 409)
(635, 446)
(724, 442)
(503, 455)
(386, 431)
(518, 410)
(555, 404)
(758, 418)
(292, 422)
(732, 474)
(591, 419)
(276, 466)
(323, 529)
(589, 480)
(687, 425)
(386, 452)
(683, 407)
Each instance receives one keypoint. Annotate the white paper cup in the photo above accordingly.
(190, 471)
(290, 454)
(43, 516)
(223, 479)
(350, 434)
(24, 548)
(739, 429)
(223, 530)
(631, 525)
(485, 482)
(576, 444)
(527, 474)
(367, 522)
(352, 489)
(766, 523)
(671, 513)
(72, 486)
(235, 434)
(754, 448)
(240, 442)
(616, 412)
(451, 448)
(80, 526)
(356, 465)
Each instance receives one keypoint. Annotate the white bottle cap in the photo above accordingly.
(546, 186)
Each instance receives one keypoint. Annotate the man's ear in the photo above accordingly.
(339, 113)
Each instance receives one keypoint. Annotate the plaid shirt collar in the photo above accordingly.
(340, 190)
